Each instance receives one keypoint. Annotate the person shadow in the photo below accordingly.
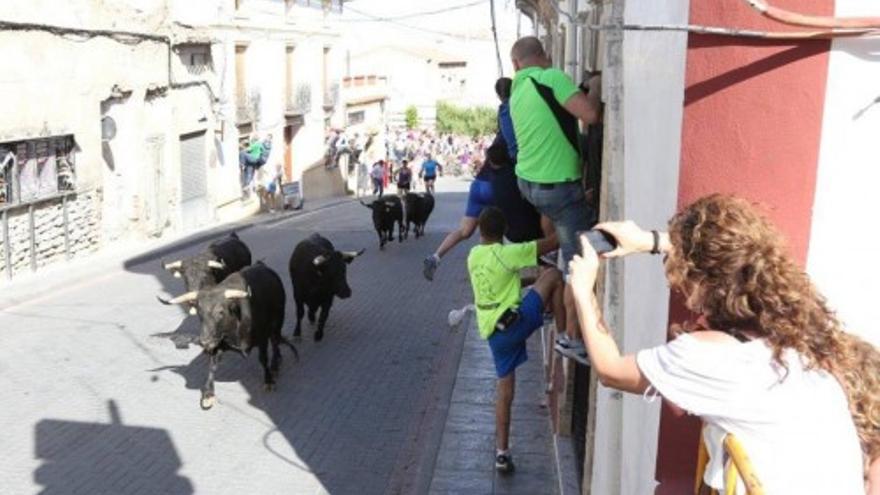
(106, 458)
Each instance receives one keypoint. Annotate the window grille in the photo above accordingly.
(36, 168)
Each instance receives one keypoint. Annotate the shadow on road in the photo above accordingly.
(106, 458)
(354, 407)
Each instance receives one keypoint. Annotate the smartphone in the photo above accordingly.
(602, 242)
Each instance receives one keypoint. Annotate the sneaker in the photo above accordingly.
(549, 260)
(430, 264)
(504, 463)
(456, 316)
(572, 349)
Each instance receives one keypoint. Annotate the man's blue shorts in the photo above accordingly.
(479, 197)
(509, 346)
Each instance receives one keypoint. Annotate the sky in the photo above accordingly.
(448, 28)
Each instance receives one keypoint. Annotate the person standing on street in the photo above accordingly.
(505, 318)
(429, 173)
(404, 178)
(378, 175)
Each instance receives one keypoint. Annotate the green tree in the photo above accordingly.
(412, 117)
(471, 121)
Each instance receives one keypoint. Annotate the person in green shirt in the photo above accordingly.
(545, 106)
(505, 318)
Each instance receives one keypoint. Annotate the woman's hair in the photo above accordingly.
(732, 266)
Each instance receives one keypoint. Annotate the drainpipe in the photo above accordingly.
(572, 65)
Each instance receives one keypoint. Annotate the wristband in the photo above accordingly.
(656, 248)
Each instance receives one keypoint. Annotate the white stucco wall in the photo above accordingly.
(267, 27)
(645, 190)
(844, 240)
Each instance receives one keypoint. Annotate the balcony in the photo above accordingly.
(247, 107)
(299, 100)
(331, 96)
(334, 6)
(364, 89)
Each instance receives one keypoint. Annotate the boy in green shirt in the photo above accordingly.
(504, 318)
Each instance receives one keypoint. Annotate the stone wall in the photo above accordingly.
(84, 227)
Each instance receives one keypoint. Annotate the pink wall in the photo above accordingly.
(752, 125)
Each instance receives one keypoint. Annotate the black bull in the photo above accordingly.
(211, 266)
(244, 311)
(318, 274)
(386, 211)
(418, 210)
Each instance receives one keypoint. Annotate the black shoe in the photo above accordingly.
(504, 463)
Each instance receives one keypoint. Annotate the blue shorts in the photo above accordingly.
(509, 346)
(480, 196)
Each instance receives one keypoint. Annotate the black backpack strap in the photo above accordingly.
(567, 122)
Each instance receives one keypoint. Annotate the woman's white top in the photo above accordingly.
(795, 427)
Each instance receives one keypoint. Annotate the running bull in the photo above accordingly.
(214, 264)
(386, 211)
(318, 274)
(244, 311)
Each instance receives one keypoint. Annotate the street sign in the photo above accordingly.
(292, 193)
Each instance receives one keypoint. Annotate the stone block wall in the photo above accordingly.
(84, 228)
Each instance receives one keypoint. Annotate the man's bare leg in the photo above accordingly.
(503, 404)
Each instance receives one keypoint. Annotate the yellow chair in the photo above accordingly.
(737, 468)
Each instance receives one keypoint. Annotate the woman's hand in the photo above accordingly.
(630, 238)
(582, 270)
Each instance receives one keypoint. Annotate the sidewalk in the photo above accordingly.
(117, 255)
(466, 460)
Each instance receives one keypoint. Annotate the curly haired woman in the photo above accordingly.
(767, 360)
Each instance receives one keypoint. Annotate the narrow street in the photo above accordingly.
(104, 401)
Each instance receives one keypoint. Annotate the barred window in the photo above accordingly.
(36, 168)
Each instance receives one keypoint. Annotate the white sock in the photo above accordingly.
(501, 452)
(436, 258)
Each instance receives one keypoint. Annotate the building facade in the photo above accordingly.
(123, 121)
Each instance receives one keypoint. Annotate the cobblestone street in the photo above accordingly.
(103, 401)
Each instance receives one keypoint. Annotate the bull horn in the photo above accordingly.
(173, 265)
(235, 294)
(183, 298)
(216, 264)
(351, 254)
(320, 259)
(368, 206)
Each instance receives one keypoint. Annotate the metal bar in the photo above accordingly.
(67, 254)
(7, 249)
(43, 199)
(33, 238)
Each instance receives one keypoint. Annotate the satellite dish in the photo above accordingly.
(108, 128)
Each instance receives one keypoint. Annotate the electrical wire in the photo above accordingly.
(495, 36)
(374, 18)
(124, 37)
(798, 19)
(740, 33)
(422, 29)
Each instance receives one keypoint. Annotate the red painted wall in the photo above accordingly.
(752, 125)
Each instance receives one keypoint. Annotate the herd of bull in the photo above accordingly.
(389, 209)
(241, 305)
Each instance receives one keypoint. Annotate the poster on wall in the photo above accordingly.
(292, 193)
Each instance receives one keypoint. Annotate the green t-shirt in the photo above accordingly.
(545, 156)
(494, 271)
(255, 150)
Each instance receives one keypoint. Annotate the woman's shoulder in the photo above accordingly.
(712, 337)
